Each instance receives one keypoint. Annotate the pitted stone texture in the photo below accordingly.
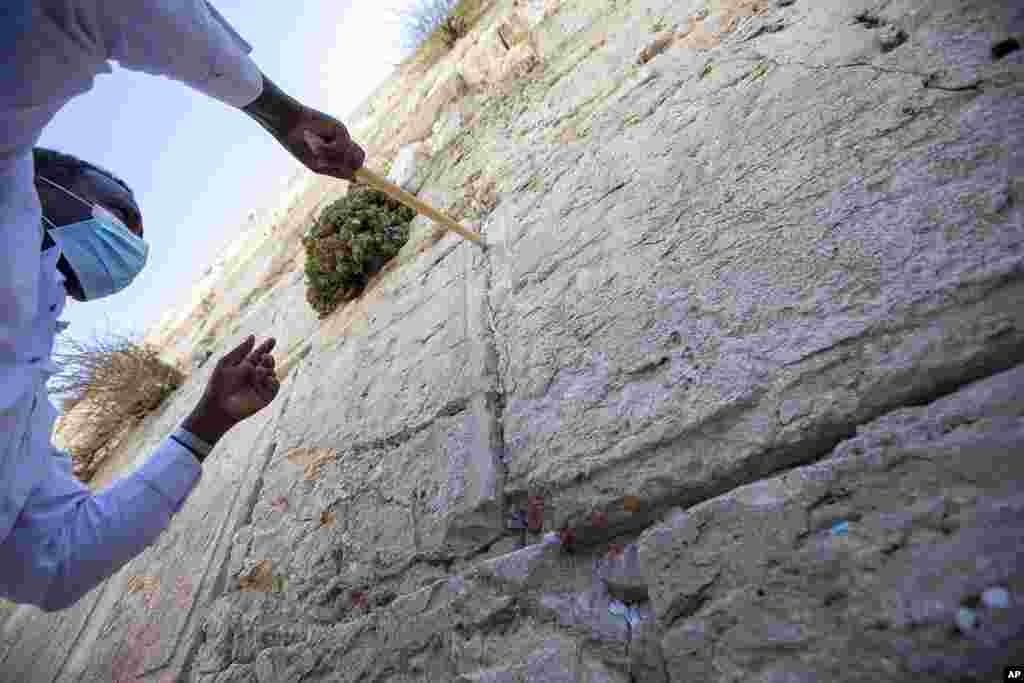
(551, 659)
(446, 129)
(622, 573)
(859, 562)
(369, 516)
(701, 272)
(440, 633)
(412, 348)
(829, 243)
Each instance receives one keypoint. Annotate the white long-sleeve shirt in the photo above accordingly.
(57, 541)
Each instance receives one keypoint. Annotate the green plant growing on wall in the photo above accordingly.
(350, 242)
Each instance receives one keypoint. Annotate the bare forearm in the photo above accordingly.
(275, 110)
(317, 140)
(207, 424)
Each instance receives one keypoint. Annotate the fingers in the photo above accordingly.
(264, 348)
(332, 151)
(266, 384)
(239, 353)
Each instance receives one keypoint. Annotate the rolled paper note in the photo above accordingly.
(840, 529)
(535, 513)
(966, 619)
(996, 598)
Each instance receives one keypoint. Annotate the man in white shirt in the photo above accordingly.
(57, 541)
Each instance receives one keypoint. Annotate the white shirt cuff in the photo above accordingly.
(173, 471)
(199, 448)
(237, 83)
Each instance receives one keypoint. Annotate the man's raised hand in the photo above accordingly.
(243, 383)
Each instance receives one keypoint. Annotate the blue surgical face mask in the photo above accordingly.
(104, 254)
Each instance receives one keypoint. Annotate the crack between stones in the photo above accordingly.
(774, 462)
(217, 589)
(927, 79)
(450, 409)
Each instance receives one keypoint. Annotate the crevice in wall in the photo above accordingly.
(998, 358)
(450, 409)
(244, 520)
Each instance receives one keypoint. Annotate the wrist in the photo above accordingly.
(208, 425)
(275, 110)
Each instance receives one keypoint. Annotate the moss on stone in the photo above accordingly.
(350, 242)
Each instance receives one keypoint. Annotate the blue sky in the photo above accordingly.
(197, 166)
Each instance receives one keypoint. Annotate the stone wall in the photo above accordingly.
(735, 392)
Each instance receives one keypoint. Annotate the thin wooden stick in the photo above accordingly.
(398, 194)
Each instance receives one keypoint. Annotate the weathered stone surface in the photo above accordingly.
(445, 91)
(482, 63)
(446, 129)
(861, 562)
(701, 274)
(649, 352)
(661, 42)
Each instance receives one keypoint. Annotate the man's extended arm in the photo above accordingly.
(68, 540)
(160, 36)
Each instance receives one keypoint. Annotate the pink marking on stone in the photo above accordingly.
(126, 666)
(280, 504)
(183, 588)
(568, 539)
(535, 513)
(600, 520)
(616, 551)
(151, 600)
(145, 636)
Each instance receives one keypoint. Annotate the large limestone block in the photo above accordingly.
(335, 522)
(520, 61)
(861, 566)
(413, 347)
(482, 63)
(535, 615)
(388, 461)
(752, 262)
(415, 634)
(553, 660)
(420, 124)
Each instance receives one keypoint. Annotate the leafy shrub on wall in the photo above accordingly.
(349, 243)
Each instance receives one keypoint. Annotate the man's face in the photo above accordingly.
(62, 209)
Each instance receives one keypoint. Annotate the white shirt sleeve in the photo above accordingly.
(186, 40)
(68, 540)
